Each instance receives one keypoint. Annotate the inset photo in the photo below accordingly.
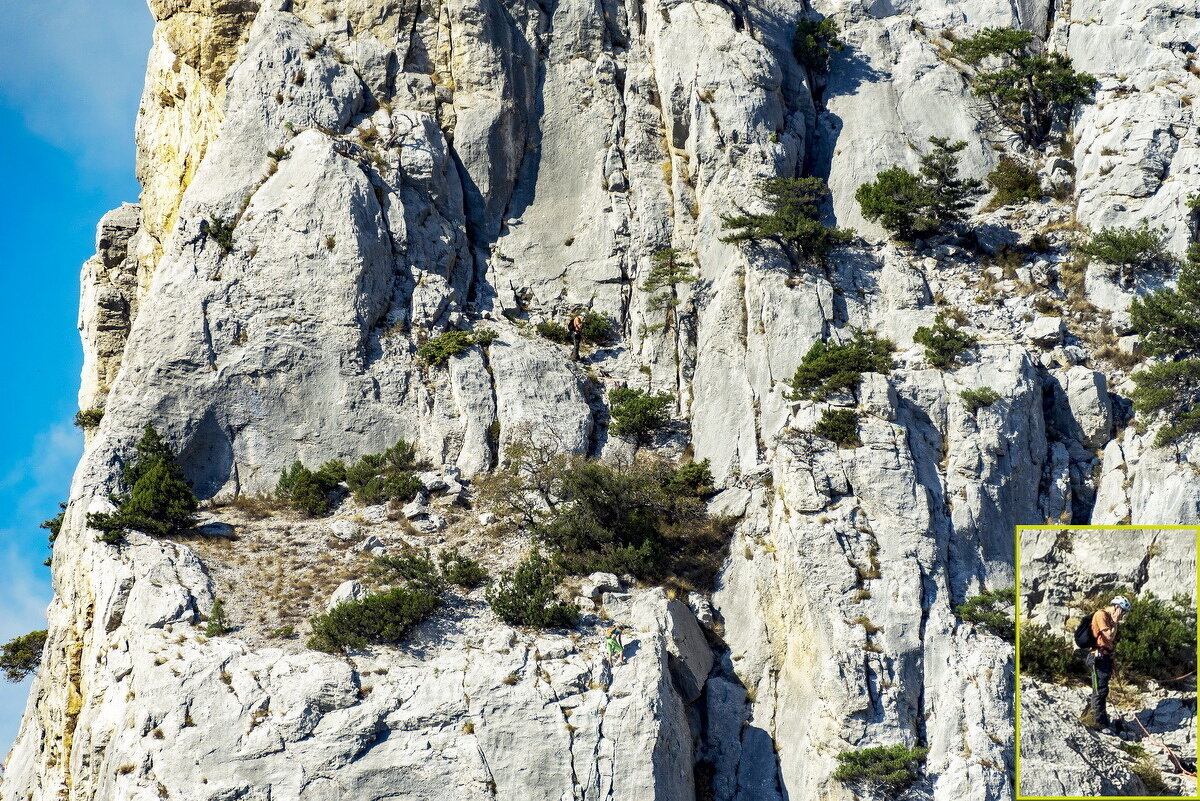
(1106, 662)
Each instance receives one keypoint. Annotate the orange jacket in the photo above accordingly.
(1104, 629)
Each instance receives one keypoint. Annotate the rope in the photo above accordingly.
(1178, 678)
(1174, 759)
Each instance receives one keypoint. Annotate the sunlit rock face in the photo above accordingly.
(327, 185)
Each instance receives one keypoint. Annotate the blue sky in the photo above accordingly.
(70, 77)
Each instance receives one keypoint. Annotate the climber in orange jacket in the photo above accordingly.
(1105, 623)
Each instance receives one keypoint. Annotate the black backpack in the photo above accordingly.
(1083, 633)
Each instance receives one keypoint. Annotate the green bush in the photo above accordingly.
(54, 524)
(645, 517)
(380, 618)
(554, 332)
(160, 500)
(839, 426)
(1027, 88)
(1157, 638)
(1170, 390)
(1129, 248)
(793, 223)
(1014, 183)
(461, 570)
(304, 490)
(692, 479)
(526, 597)
(1045, 654)
(416, 570)
(379, 477)
(943, 343)
(597, 329)
(976, 399)
(992, 611)
(438, 351)
(332, 472)
(89, 418)
(1168, 320)
(637, 414)
(22, 655)
(220, 231)
(218, 622)
(882, 769)
(913, 207)
(897, 200)
(828, 368)
(812, 42)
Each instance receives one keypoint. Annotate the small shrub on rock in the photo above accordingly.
(828, 368)
(793, 222)
(22, 655)
(1014, 183)
(555, 332)
(882, 769)
(304, 490)
(976, 399)
(387, 476)
(220, 231)
(438, 351)
(218, 621)
(1170, 390)
(812, 42)
(637, 414)
(912, 206)
(1131, 249)
(1043, 653)
(89, 418)
(415, 570)
(526, 597)
(943, 343)
(54, 524)
(645, 517)
(461, 570)
(160, 501)
(597, 329)
(992, 610)
(839, 426)
(1168, 319)
(380, 618)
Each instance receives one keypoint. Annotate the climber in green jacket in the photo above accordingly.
(614, 646)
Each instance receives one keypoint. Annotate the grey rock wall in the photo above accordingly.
(496, 164)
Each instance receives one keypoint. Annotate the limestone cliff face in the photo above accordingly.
(492, 163)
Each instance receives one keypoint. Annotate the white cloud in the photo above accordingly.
(73, 69)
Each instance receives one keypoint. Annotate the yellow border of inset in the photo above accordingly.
(1017, 663)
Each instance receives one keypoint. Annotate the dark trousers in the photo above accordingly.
(575, 337)
(1102, 668)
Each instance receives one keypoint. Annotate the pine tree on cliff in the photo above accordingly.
(1166, 320)
(160, 501)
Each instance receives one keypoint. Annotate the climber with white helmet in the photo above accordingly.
(1103, 644)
